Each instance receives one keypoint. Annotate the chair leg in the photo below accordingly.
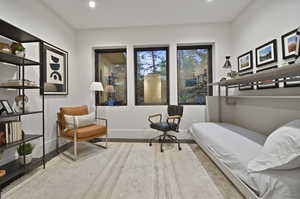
(162, 142)
(106, 141)
(75, 147)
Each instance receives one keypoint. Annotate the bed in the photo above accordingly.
(231, 148)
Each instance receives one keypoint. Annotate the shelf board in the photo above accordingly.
(264, 97)
(27, 138)
(20, 87)
(292, 70)
(16, 60)
(15, 169)
(14, 33)
(18, 114)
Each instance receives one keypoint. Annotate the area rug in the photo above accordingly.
(124, 170)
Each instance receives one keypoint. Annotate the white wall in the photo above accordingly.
(132, 120)
(34, 17)
(261, 22)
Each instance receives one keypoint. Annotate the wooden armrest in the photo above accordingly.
(155, 115)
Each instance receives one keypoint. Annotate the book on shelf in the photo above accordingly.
(10, 132)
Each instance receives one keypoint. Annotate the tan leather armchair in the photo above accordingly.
(82, 134)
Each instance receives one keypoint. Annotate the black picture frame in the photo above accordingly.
(271, 85)
(286, 47)
(6, 107)
(273, 54)
(245, 55)
(244, 87)
(52, 88)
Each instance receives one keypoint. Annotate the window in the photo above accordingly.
(111, 71)
(151, 76)
(194, 65)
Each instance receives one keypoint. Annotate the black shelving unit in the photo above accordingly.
(14, 168)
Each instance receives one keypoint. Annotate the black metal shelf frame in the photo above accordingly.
(14, 168)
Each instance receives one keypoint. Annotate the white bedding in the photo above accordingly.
(235, 147)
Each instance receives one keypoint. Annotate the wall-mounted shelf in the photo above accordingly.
(290, 71)
(16, 60)
(20, 87)
(27, 138)
(19, 114)
(14, 33)
(14, 168)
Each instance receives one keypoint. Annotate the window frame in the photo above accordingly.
(210, 74)
(166, 48)
(99, 79)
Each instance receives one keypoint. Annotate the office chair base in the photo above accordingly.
(162, 139)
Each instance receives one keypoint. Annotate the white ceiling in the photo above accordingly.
(126, 13)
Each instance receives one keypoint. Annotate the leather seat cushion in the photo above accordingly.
(164, 126)
(88, 131)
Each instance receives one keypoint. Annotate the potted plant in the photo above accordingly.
(18, 49)
(25, 149)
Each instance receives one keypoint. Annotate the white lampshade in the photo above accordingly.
(96, 86)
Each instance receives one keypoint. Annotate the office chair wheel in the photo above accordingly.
(179, 148)
(150, 144)
(162, 150)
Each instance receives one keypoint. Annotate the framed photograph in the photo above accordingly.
(245, 61)
(289, 44)
(267, 84)
(266, 54)
(54, 70)
(244, 87)
(6, 107)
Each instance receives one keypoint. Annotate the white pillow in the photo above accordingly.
(79, 120)
(281, 150)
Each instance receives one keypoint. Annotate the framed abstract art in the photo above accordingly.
(266, 54)
(54, 70)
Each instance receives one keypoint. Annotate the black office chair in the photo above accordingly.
(171, 124)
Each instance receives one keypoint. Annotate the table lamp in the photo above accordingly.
(96, 87)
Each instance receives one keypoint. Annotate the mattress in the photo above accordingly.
(235, 147)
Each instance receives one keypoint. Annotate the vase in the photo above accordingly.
(28, 159)
(20, 53)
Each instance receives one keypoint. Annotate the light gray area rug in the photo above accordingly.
(124, 170)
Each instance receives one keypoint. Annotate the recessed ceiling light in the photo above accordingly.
(209, 1)
(92, 4)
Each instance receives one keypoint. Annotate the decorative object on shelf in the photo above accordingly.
(2, 173)
(55, 70)
(17, 49)
(245, 61)
(4, 48)
(18, 105)
(12, 131)
(243, 87)
(289, 44)
(266, 54)
(25, 149)
(223, 79)
(6, 107)
(96, 87)
(267, 83)
(227, 65)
